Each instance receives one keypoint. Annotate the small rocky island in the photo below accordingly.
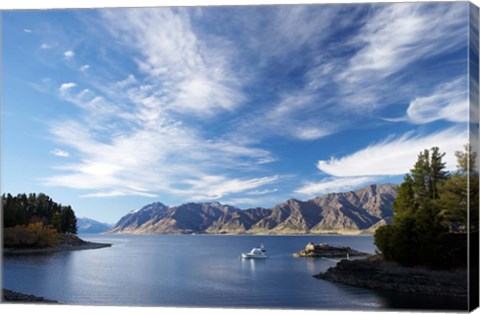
(325, 250)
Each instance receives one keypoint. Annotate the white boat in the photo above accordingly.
(256, 253)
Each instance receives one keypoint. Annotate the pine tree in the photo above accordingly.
(458, 199)
(417, 234)
(405, 201)
(69, 221)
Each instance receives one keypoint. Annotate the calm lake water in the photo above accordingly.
(200, 271)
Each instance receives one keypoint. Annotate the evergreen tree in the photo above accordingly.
(23, 210)
(405, 201)
(421, 181)
(69, 221)
(417, 234)
(459, 198)
(57, 221)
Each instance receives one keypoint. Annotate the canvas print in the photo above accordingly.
(314, 156)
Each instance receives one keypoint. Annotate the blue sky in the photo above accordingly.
(108, 110)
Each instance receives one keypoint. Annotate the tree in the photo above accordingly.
(68, 221)
(23, 210)
(420, 175)
(416, 235)
(8, 211)
(466, 160)
(57, 221)
(458, 199)
(437, 173)
(405, 201)
(382, 240)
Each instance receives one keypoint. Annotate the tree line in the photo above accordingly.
(34, 208)
(434, 210)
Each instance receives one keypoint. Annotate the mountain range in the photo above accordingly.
(87, 225)
(360, 211)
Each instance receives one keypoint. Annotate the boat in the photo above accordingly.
(256, 253)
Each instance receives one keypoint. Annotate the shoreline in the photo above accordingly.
(10, 296)
(376, 274)
(59, 248)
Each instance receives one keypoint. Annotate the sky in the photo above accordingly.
(112, 109)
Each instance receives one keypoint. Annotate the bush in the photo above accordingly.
(32, 235)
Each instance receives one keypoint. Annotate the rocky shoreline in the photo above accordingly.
(65, 243)
(17, 297)
(375, 273)
(325, 250)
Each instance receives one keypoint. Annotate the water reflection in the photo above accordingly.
(251, 265)
(196, 271)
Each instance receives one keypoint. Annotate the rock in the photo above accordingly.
(325, 250)
(12, 296)
(375, 273)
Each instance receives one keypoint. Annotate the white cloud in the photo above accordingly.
(26, 30)
(195, 77)
(66, 86)
(340, 89)
(398, 34)
(309, 133)
(46, 46)
(262, 192)
(135, 134)
(333, 185)
(395, 156)
(216, 187)
(149, 150)
(69, 54)
(117, 193)
(127, 82)
(60, 153)
(448, 102)
(84, 67)
(130, 138)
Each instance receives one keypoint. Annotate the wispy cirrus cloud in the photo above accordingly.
(373, 72)
(396, 156)
(159, 127)
(216, 187)
(60, 153)
(449, 102)
(330, 185)
(131, 138)
(397, 36)
(197, 77)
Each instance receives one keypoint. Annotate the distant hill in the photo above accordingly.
(87, 225)
(357, 211)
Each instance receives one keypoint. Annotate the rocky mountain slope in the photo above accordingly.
(350, 212)
(87, 225)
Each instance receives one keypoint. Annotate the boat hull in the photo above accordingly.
(249, 256)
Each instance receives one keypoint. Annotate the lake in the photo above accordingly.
(201, 271)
